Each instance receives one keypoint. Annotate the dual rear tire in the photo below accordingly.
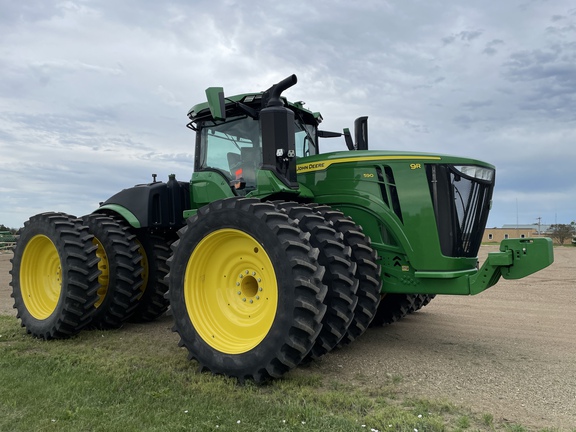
(69, 274)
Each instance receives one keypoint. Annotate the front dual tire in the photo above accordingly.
(246, 289)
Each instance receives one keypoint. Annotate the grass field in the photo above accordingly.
(123, 381)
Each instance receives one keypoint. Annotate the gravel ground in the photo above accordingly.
(510, 351)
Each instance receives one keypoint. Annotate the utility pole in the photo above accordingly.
(516, 217)
(539, 219)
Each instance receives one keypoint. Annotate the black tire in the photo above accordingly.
(54, 276)
(219, 314)
(428, 298)
(367, 270)
(120, 268)
(339, 276)
(417, 301)
(393, 307)
(420, 301)
(155, 251)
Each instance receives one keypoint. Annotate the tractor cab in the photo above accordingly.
(238, 136)
(233, 148)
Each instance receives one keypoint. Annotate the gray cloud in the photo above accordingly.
(464, 36)
(490, 48)
(29, 12)
(549, 80)
(477, 104)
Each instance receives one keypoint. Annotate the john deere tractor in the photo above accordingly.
(272, 254)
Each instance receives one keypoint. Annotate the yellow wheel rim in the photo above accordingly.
(230, 291)
(40, 277)
(104, 267)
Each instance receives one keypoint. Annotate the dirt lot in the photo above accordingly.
(510, 351)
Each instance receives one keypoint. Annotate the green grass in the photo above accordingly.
(137, 380)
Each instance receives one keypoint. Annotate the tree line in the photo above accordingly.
(4, 228)
(563, 232)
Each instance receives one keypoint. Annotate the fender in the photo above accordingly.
(152, 205)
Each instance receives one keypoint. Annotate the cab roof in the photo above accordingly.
(201, 111)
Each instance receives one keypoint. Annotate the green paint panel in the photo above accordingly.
(123, 212)
(208, 186)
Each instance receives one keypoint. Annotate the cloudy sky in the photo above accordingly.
(94, 93)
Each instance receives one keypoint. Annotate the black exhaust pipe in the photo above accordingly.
(276, 90)
(277, 126)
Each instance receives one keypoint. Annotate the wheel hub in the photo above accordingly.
(249, 284)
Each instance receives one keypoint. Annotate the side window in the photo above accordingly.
(222, 151)
(304, 140)
(233, 148)
(301, 141)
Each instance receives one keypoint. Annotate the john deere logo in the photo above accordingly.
(310, 167)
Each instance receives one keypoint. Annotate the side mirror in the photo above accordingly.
(216, 103)
(348, 139)
(347, 136)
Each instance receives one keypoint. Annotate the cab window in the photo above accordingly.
(233, 148)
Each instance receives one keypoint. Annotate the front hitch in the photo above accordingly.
(517, 258)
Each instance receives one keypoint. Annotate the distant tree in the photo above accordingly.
(562, 232)
(5, 228)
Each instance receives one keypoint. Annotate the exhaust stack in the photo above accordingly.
(277, 125)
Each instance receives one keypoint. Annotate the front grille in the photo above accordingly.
(388, 189)
(461, 204)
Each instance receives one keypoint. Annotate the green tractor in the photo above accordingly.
(273, 254)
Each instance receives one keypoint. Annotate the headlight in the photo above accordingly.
(480, 173)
